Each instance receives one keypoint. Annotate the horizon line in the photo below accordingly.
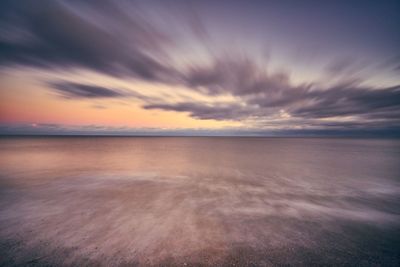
(374, 136)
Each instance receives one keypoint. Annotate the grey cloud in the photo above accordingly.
(239, 76)
(115, 38)
(339, 66)
(60, 35)
(256, 87)
(392, 63)
(76, 90)
(71, 90)
(348, 66)
(343, 101)
(204, 111)
(263, 94)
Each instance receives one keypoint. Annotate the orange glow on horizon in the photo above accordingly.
(36, 104)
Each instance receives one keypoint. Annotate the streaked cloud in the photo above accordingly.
(75, 90)
(56, 34)
(204, 111)
(183, 49)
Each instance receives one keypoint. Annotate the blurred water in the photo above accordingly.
(114, 201)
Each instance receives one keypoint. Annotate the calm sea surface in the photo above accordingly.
(111, 201)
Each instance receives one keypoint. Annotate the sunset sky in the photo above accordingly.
(200, 67)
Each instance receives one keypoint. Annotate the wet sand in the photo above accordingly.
(196, 202)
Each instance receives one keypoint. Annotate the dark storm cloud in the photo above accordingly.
(102, 37)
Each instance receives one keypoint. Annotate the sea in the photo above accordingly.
(199, 201)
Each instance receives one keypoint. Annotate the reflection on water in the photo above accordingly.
(208, 201)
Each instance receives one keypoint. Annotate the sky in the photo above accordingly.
(263, 68)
